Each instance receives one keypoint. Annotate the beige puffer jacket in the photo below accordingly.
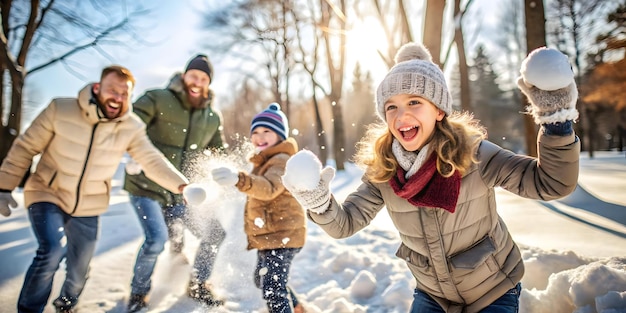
(80, 153)
(467, 259)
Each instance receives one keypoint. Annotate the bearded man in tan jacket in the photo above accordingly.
(81, 141)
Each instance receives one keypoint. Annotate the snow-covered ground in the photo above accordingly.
(574, 250)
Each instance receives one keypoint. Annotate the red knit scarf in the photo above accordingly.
(427, 187)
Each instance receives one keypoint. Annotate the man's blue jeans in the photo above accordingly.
(271, 276)
(150, 213)
(155, 232)
(508, 303)
(59, 236)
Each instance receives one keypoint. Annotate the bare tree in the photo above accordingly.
(459, 42)
(333, 22)
(535, 21)
(259, 34)
(433, 25)
(575, 22)
(51, 32)
(392, 15)
(310, 61)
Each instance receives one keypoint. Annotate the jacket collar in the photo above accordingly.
(288, 146)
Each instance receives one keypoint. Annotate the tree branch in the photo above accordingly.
(77, 49)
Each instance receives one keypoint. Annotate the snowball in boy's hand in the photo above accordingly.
(302, 171)
(194, 194)
(547, 69)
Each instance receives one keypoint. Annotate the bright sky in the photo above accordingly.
(176, 39)
(177, 36)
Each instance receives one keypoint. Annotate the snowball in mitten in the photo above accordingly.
(6, 201)
(225, 176)
(132, 167)
(548, 82)
(194, 194)
(305, 181)
(302, 170)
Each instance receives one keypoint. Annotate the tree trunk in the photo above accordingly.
(14, 123)
(322, 141)
(339, 144)
(433, 22)
(463, 70)
(535, 37)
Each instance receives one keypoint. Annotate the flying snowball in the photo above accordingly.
(303, 171)
(195, 194)
(547, 69)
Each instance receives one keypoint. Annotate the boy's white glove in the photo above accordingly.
(132, 167)
(548, 82)
(307, 182)
(225, 176)
(6, 201)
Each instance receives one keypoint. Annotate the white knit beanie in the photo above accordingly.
(414, 74)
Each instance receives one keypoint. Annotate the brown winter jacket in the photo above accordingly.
(467, 259)
(80, 153)
(273, 218)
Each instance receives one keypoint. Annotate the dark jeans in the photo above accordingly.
(508, 303)
(150, 214)
(271, 276)
(59, 236)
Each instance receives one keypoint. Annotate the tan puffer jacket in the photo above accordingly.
(467, 259)
(283, 222)
(80, 153)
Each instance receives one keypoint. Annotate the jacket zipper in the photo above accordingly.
(443, 252)
(82, 174)
(187, 135)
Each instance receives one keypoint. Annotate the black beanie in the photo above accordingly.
(201, 62)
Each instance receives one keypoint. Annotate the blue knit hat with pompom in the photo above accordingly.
(272, 118)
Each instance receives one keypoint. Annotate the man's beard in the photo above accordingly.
(103, 106)
(198, 98)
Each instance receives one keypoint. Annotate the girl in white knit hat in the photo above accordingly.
(435, 173)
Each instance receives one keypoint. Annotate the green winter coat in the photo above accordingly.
(179, 131)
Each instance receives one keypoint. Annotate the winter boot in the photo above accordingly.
(65, 304)
(202, 293)
(136, 302)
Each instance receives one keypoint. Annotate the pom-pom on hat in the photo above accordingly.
(201, 62)
(272, 118)
(414, 74)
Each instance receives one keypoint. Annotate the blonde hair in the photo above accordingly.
(454, 140)
(120, 71)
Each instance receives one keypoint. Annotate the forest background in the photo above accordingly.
(320, 59)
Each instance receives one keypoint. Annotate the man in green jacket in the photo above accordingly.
(182, 124)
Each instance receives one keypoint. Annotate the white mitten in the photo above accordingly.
(225, 176)
(194, 194)
(132, 167)
(548, 82)
(307, 183)
(6, 201)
